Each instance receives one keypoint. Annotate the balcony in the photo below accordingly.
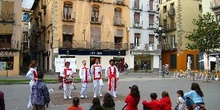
(7, 17)
(96, 20)
(119, 21)
(81, 44)
(138, 24)
(138, 7)
(215, 4)
(67, 17)
(13, 45)
(171, 12)
(25, 28)
(99, 1)
(170, 46)
(170, 27)
(120, 2)
(152, 9)
(152, 26)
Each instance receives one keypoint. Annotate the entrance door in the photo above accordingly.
(92, 60)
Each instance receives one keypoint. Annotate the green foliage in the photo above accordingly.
(207, 35)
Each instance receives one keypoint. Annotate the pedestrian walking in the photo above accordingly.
(67, 75)
(154, 104)
(111, 72)
(40, 96)
(96, 70)
(194, 98)
(85, 79)
(133, 98)
(32, 75)
(125, 68)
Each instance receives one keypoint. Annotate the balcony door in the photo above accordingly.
(67, 11)
(95, 37)
(95, 14)
(5, 41)
(118, 16)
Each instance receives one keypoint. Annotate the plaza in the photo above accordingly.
(16, 95)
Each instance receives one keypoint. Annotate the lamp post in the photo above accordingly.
(160, 36)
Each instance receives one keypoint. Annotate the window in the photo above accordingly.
(218, 18)
(95, 14)
(136, 4)
(5, 41)
(151, 4)
(67, 10)
(137, 39)
(95, 37)
(151, 20)
(6, 63)
(151, 38)
(200, 7)
(164, 9)
(165, 24)
(137, 17)
(67, 40)
(172, 41)
(118, 16)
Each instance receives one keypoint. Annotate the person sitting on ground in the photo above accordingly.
(154, 104)
(194, 98)
(75, 105)
(165, 102)
(180, 104)
(108, 102)
(133, 98)
(96, 105)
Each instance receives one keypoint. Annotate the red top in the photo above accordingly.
(153, 105)
(66, 75)
(132, 103)
(165, 103)
(74, 108)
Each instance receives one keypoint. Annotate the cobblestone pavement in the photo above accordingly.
(16, 95)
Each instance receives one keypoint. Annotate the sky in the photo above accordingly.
(27, 3)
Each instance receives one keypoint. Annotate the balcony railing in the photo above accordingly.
(170, 46)
(7, 17)
(14, 45)
(119, 21)
(215, 4)
(69, 17)
(81, 44)
(170, 27)
(138, 24)
(138, 7)
(96, 20)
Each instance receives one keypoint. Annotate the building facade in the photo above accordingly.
(144, 19)
(10, 36)
(81, 29)
(176, 16)
(213, 8)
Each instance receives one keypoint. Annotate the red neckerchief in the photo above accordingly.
(112, 75)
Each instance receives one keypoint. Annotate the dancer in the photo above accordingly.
(96, 70)
(111, 72)
(85, 79)
(32, 75)
(67, 75)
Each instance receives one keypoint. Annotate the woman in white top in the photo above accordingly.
(32, 75)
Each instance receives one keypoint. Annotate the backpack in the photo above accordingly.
(37, 96)
(126, 65)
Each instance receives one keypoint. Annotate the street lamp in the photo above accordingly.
(160, 36)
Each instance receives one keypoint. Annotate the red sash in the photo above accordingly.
(35, 75)
(112, 75)
(98, 72)
(86, 75)
(65, 75)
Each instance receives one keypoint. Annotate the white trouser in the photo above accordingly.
(112, 90)
(97, 86)
(68, 88)
(31, 83)
(84, 89)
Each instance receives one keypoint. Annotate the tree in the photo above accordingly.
(206, 36)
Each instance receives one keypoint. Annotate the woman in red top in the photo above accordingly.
(133, 98)
(165, 102)
(154, 104)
